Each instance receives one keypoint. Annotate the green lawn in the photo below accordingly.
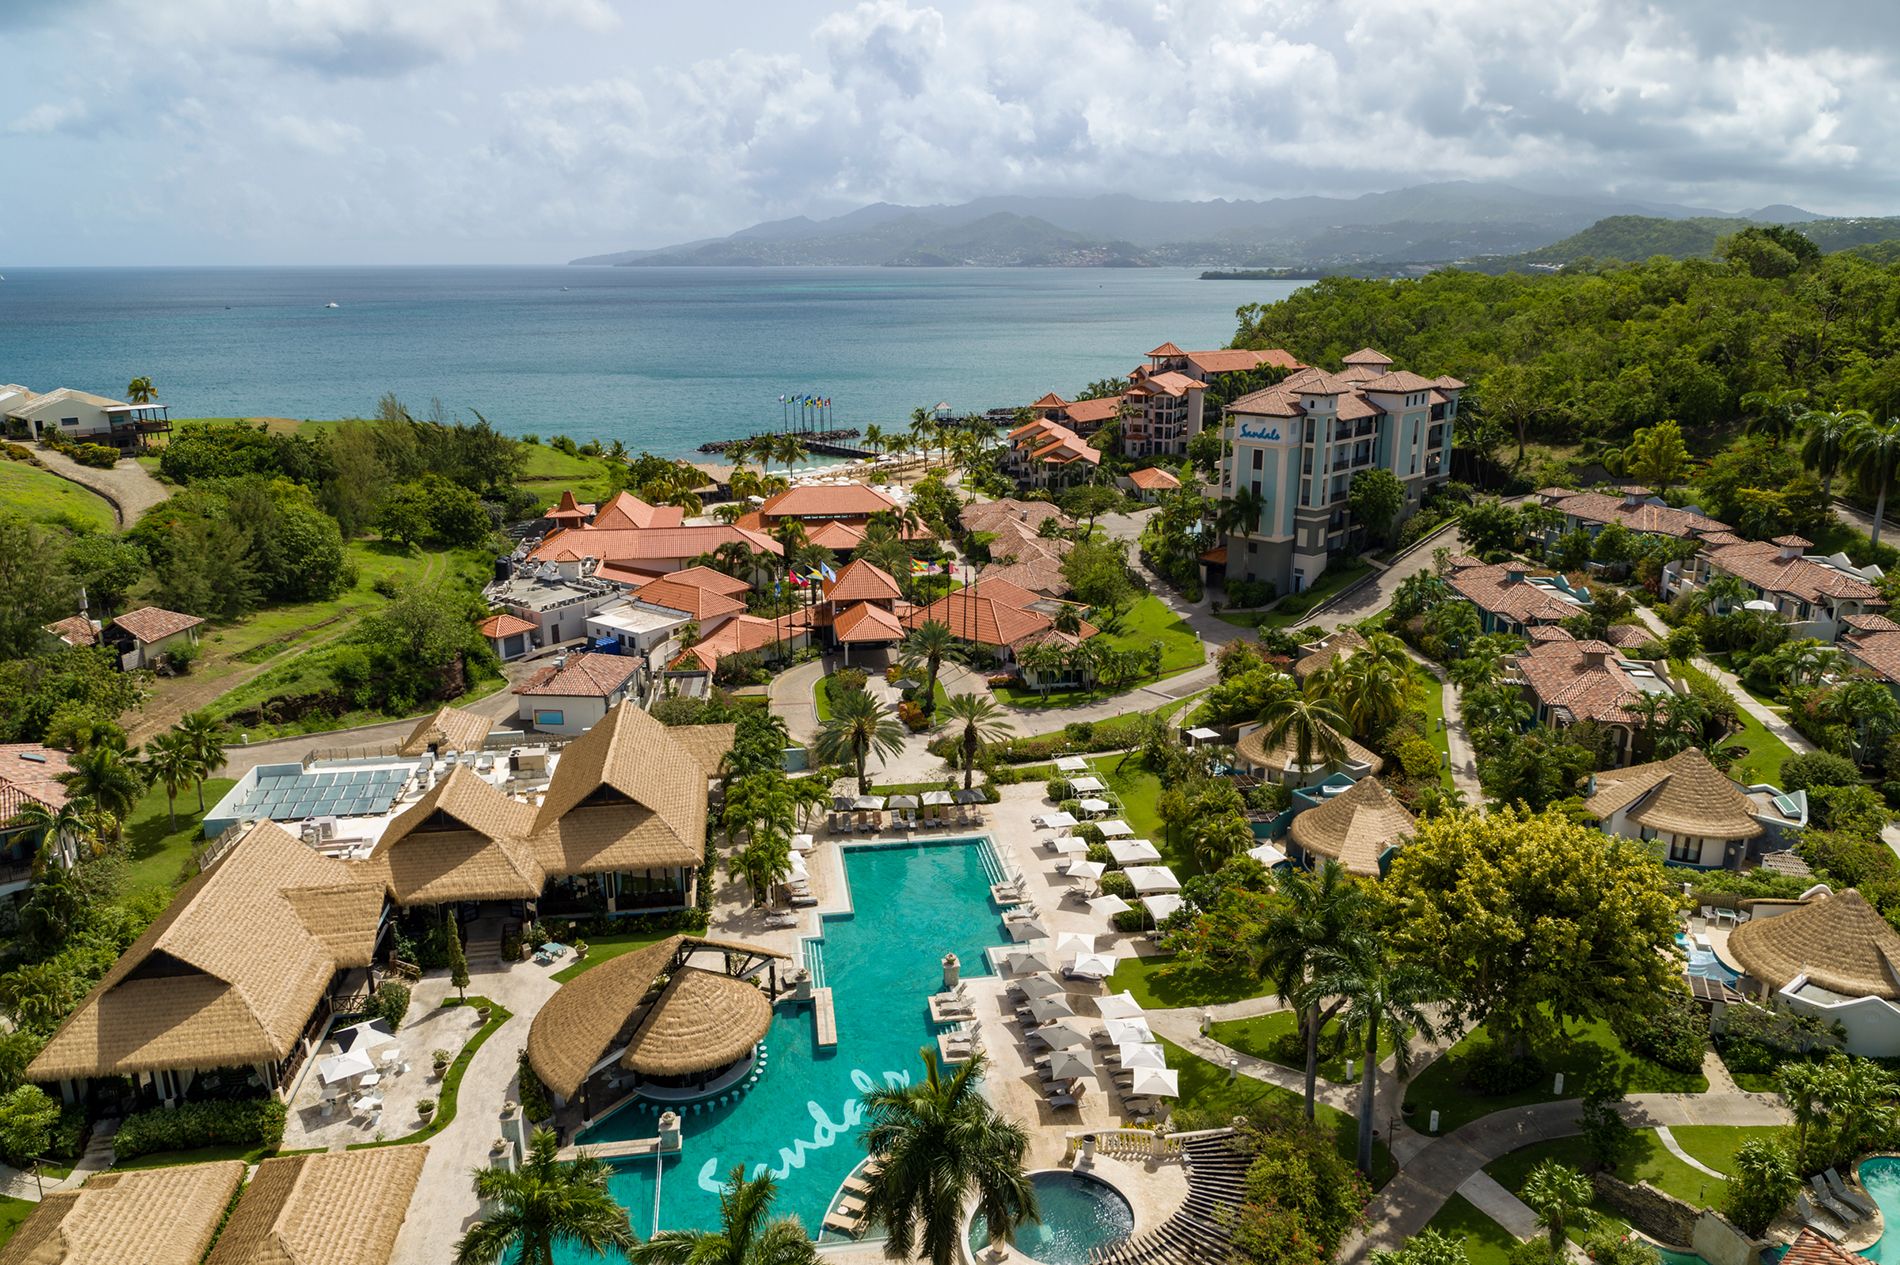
(1726, 661)
(1715, 1145)
(1276, 1038)
(1649, 1161)
(1211, 1098)
(1485, 1241)
(1142, 624)
(1159, 983)
(1431, 700)
(606, 948)
(1765, 751)
(1587, 1049)
(159, 853)
(44, 497)
(12, 1213)
(1293, 609)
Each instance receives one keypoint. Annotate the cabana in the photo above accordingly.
(1152, 879)
(683, 1025)
(1833, 957)
(1360, 828)
(340, 1208)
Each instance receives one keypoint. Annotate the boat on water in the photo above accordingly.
(329, 305)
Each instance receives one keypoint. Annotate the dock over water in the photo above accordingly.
(825, 1018)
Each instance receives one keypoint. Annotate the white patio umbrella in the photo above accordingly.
(1116, 828)
(1073, 942)
(1149, 879)
(801, 843)
(1093, 806)
(1050, 1008)
(868, 803)
(1072, 764)
(1041, 986)
(345, 1066)
(1059, 821)
(1161, 906)
(1090, 870)
(1062, 1034)
(1120, 1005)
(1267, 855)
(1156, 1082)
(1028, 959)
(902, 801)
(1087, 785)
(1761, 604)
(1133, 851)
(799, 870)
(368, 1034)
(1133, 1030)
(1142, 1054)
(1093, 966)
(1068, 1065)
(1108, 906)
(1068, 845)
(936, 799)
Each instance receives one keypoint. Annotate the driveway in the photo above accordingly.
(128, 487)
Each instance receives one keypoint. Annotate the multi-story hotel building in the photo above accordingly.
(1297, 446)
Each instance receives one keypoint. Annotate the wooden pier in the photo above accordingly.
(825, 1018)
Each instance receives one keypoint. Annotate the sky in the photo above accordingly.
(533, 131)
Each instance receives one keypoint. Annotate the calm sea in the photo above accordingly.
(662, 359)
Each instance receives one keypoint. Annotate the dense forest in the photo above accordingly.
(1644, 236)
(1595, 352)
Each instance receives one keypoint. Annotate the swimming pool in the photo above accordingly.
(1881, 1178)
(911, 903)
(1079, 1214)
(1704, 963)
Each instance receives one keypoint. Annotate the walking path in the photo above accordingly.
(1674, 1147)
(1770, 719)
(128, 487)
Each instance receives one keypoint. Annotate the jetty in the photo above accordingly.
(825, 1018)
(830, 443)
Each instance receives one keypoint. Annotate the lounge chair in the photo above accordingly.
(1060, 1101)
(845, 1223)
(1820, 1224)
(857, 1186)
(1847, 1194)
(1825, 1197)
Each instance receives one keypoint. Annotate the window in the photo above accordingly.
(1686, 850)
(69, 421)
(549, 719)
(1299, 580)
(1258, 457)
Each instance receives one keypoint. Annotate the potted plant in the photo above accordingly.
(580, 950)
(482, 1012)
(441, 1059)
(425, 1108)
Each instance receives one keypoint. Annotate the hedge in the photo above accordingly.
(189, 1126)
(1079, 738)
(451, 1079)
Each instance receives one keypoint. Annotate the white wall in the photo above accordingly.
(1873, 1025)
(45, 419)
(578, 715)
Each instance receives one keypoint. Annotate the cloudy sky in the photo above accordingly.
(311, 131)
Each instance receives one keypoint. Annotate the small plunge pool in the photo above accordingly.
(1079, 1214)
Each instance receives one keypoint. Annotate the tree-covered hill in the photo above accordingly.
(1631, 237)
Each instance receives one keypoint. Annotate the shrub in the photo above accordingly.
(1854, 810)
(1130, 919)
(1492, 1069)
(390, 1003)
(536, 1104)
(1118, 884)
(1249, 592)
(1818, 768)
(1073, 807)
(255, 1122)
(1762, 1183)
(1090, 833)
(1676, 1035)
(98, 456)
(1060, 789)
(1099, 853)
(181, 656)
(1418, 758)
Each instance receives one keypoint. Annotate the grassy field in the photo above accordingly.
(1275, 1038)
(1765, 751)
(607, 948)
(1144, 623)
(1715, 1145)
(12, 1213)
(1293, 609)
(1485, 1241)
(44, 497)
(1431, 701)
(1587, 1049)
(1158, 983)
(1649, 1161)
(158, 853)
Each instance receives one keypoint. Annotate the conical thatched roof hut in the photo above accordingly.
(1354, 827)
(1683, 795)
(1839, 942)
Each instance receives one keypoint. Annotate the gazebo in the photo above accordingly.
(681, 1016)
(1834, 957)
(1356, 827)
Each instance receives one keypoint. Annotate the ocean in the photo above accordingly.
(661, 359)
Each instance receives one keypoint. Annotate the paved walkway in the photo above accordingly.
(1770, 719)
(1674, 1147)
(128, 487)
(501, 706)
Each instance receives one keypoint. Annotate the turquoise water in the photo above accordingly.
(1881, 1177)
(1705, 964)
(1079, 1214)
(658, 358)
(912, 903)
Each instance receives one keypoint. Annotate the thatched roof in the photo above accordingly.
(1684, 795)
(337, 1208)
(464, 840)
(229, 974)
(693, 1026)
(1837, 941)
(450, 729)
(155, 1216)
(707, 743)
(1354, 826)
(1342, 643)
(1253, 748)
(627, 795)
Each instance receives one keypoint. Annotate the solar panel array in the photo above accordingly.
(296, 796)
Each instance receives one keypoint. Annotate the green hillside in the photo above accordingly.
(1637, 237)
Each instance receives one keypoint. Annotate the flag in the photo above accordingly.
(797, 580)
(919, 567)
(829, 573)
(781, 399)
(814, 577)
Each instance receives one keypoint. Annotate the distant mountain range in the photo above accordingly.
(1432, 223)
(1634, 237)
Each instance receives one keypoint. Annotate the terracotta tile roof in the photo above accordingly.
(231, 971)
(835, 536)
(1167, 349)
(710, 580)
(156, 1216)
(569, 510)
(866, 623)
(628, 511)
(1656, 520)
(1561, 674)
(502, 625)
(1038, 573)
(1319, 382)
(1876, 649)
(1169, 383)
(1153, 478)
(1490, 588)
(1810, 1247)
(1760, 563)
(990, 515)
(1237, 361)
(821, 500)
(584, 675)
(154, 623)
(1399, 380)
(1548, 632)
(1871, 623)
(1367, 356)
(688, 599)
(861, 581)
(980, 617)
(1355, 826)
(1009, 594)
(1684, 795)
(1353, 407)
(621, 546)
(30, 773)
(629, 576)
(1051, 400)
(1217, 556)
(1359, 373)
(1717, 538)
(1104, 409)
(1278, 400)
(743, 634)
(1628, 635)
(1446, 382)
(1792, 542)
(75, 630)
(449, 729)
(1067, 450)
(340, 1208)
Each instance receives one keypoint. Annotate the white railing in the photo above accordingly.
(1127, 1144)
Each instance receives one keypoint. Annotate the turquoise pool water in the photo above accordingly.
(1079, 1214)
(911, 904)
(1881, 1176)
(1704, 963)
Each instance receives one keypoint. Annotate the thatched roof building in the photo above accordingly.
(1838, 942)
(231, 973)
(155, 1216)
(1683, 795)
(337, 1208)
(1354, 827)
(463, 840)
(699, 1020)
(449, 729)
(1280, 761)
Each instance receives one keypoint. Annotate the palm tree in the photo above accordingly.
(928, 646)
(1385, 999)
(981, 722)
(1320, 917)
(1801, 1086)
(1873, 449)
(170, 763)
(543, 1204)
(103, 776)
(1726, 591)
(1370, 693)
(206, 737)
(788, 451)
(1315, 724)
(1044, 659)
(858, 726)
(939, 1144)
(747, 1234)
(1824, 437)
(1240, 512)
(141, 391)
(874, 438)
(1776, 413)
(1558, 1195)
(68, 823)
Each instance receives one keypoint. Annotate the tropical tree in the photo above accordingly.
(171, 763)
(874, 439)
(939, 1144)
(1763, 1180)
(1724, 591)
(1825, 434)
(975, 722)
(748, 1234)
(1219, 837)
(1559, 1195)
(1043, 659)
(71, 822)
(544, 1204)
(1385, 998)
(205, 736)
(1777, 413)
(1368, 691)
(1315, 725)
(1240, 512)
(858, 726)
(926, 647)
(1658, 457)
(104, 777)
(1802, 1086)
(1873, 453)
(141, 391)
(1322, 916)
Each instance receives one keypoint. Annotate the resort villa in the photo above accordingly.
(1360, 827)
(80, 417)
(1280, 763)
(1148, 483)
(143, 637)
(573, 693)
(1695, 813)
(1512, 599)
(29, 774)
(1830, 956)
(1047, 454)
(1298, 444)
(1814, 596)
(1163, 406)
(1872, 644)
(1569, 682)
(1635, 508)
